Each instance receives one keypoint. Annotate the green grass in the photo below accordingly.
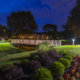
(15, 57)
(7, 48)
(69, 48)
(9, 53)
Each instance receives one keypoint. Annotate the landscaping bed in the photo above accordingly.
(41, 65)
(46, 63)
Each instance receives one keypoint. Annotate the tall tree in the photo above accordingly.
(3, 31)
(67, 33)
(21, 22)
(73, 22)
(51, 30)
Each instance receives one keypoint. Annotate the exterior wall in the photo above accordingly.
(35, 42)
(33, 36)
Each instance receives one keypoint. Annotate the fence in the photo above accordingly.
(36, 42)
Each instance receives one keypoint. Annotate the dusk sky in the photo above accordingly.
(44, 11)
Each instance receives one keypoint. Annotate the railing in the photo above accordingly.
(36, 42)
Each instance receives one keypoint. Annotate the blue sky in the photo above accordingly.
(44, 11)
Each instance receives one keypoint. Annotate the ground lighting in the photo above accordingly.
(73, 41)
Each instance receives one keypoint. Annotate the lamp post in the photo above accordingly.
(73, 40)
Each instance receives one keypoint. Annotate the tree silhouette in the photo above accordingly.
(21, 22)
(3, 30)
(73, 22)
(51, 30)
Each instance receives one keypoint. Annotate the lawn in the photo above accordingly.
(7, 48)
(69, 48)
(11, 53)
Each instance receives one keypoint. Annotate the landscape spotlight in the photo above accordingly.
(73, 40)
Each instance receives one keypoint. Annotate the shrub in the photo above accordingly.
(61, 78)
(72, 78)
(65, 62)
(42, 74)
(6, 65)
(44, 46)
(68, 57)
(25, 65)
(35, 57)
(64, 53)
(53, 54)
(57, 68)
(25, 61)
(77, 75)
(67, 76)
(45, 60)
(34, 64)
(13, 73)
(72, 71)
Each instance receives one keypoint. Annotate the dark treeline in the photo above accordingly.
(23, 22)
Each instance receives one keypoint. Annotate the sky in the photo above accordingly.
(44, 11)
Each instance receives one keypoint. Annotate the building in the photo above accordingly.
(32, 36)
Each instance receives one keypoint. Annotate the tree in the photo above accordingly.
(67, 33)
(3, 31)
(73, 22)
(21, 22)
(51, 30)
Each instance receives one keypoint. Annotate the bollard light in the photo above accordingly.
(73, 41)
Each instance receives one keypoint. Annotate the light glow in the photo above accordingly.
(73, 41)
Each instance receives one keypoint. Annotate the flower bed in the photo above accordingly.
(28, 48)
(42, 65)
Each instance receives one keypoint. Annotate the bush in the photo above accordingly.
(34, 64)
(57, 68)
(13, 73)
(64, 53)
(6, 65)
(42, 74)
(44, 46)
(35, 57)
(25, 61)
(53, 54)
(65, 62)
(45, 60)
(25, 65)
(73, 78)
(68, 57)
(61, 78)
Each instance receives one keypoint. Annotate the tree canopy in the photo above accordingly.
(50, 27)
(3, 31)
(73, 22)
(21, 22)
(51, 30)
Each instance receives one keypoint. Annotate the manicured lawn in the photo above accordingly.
(15, 57)
(69, 48)
(7, 48)
(11, 53)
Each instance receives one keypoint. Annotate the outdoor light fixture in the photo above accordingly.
(73, 40)
(2, 39)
